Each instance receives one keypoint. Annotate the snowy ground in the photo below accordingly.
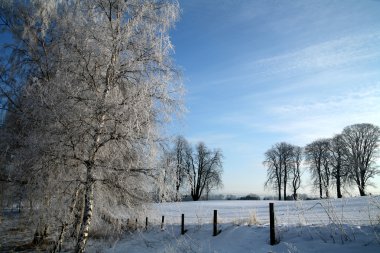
(345, 225)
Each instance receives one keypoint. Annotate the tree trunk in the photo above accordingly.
(63, 231)
(279, 188)
(87, 216)
(362, 183)
(320, 185)
(78, 216)
(285, 180)
(338, 185)
(177, 199)
(58, 245)
(195, 196)
(361, 191)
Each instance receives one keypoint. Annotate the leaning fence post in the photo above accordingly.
(215, 230)
(162, 222)
(183, 231)
(271, 220)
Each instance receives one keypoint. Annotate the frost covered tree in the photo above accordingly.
(173, 176)
(362, 144)
(181, 148)
(91, 83)
(165, 188)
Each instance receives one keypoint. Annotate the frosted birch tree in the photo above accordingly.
(94, 83)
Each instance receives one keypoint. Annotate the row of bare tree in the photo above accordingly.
(88, 85)
(348, 159)
(189, 171)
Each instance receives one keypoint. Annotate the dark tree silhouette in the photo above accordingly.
(279, 162)
(362, 143)
(317, 156)
(204, 169)
(339, 163)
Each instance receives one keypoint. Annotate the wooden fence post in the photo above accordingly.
(183, 231)
(146, 223)
(162, 222)
(215, 230)
(136, 224)
(272, 230)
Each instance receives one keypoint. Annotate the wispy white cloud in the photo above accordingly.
(357, 100)
(337, 53)
(302, 120)
(327, 63)
(307, 120)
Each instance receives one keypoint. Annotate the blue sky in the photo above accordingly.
(262, 72)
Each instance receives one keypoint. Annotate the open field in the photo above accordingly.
(344, 225)
(334, 225)
(353, 211)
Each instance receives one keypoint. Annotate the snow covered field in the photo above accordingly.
(344, 225)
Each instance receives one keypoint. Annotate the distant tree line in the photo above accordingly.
(250, 196)
(345, 160)
(187, 170)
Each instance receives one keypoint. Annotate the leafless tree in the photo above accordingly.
(339, 163)
(91, 83)
(278, 161)
(215, 182)
(204, 169)
(274, 170)
(317, 156)
(362, 144)
(295, 170)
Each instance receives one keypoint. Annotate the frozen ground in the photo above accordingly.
(345, 225)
